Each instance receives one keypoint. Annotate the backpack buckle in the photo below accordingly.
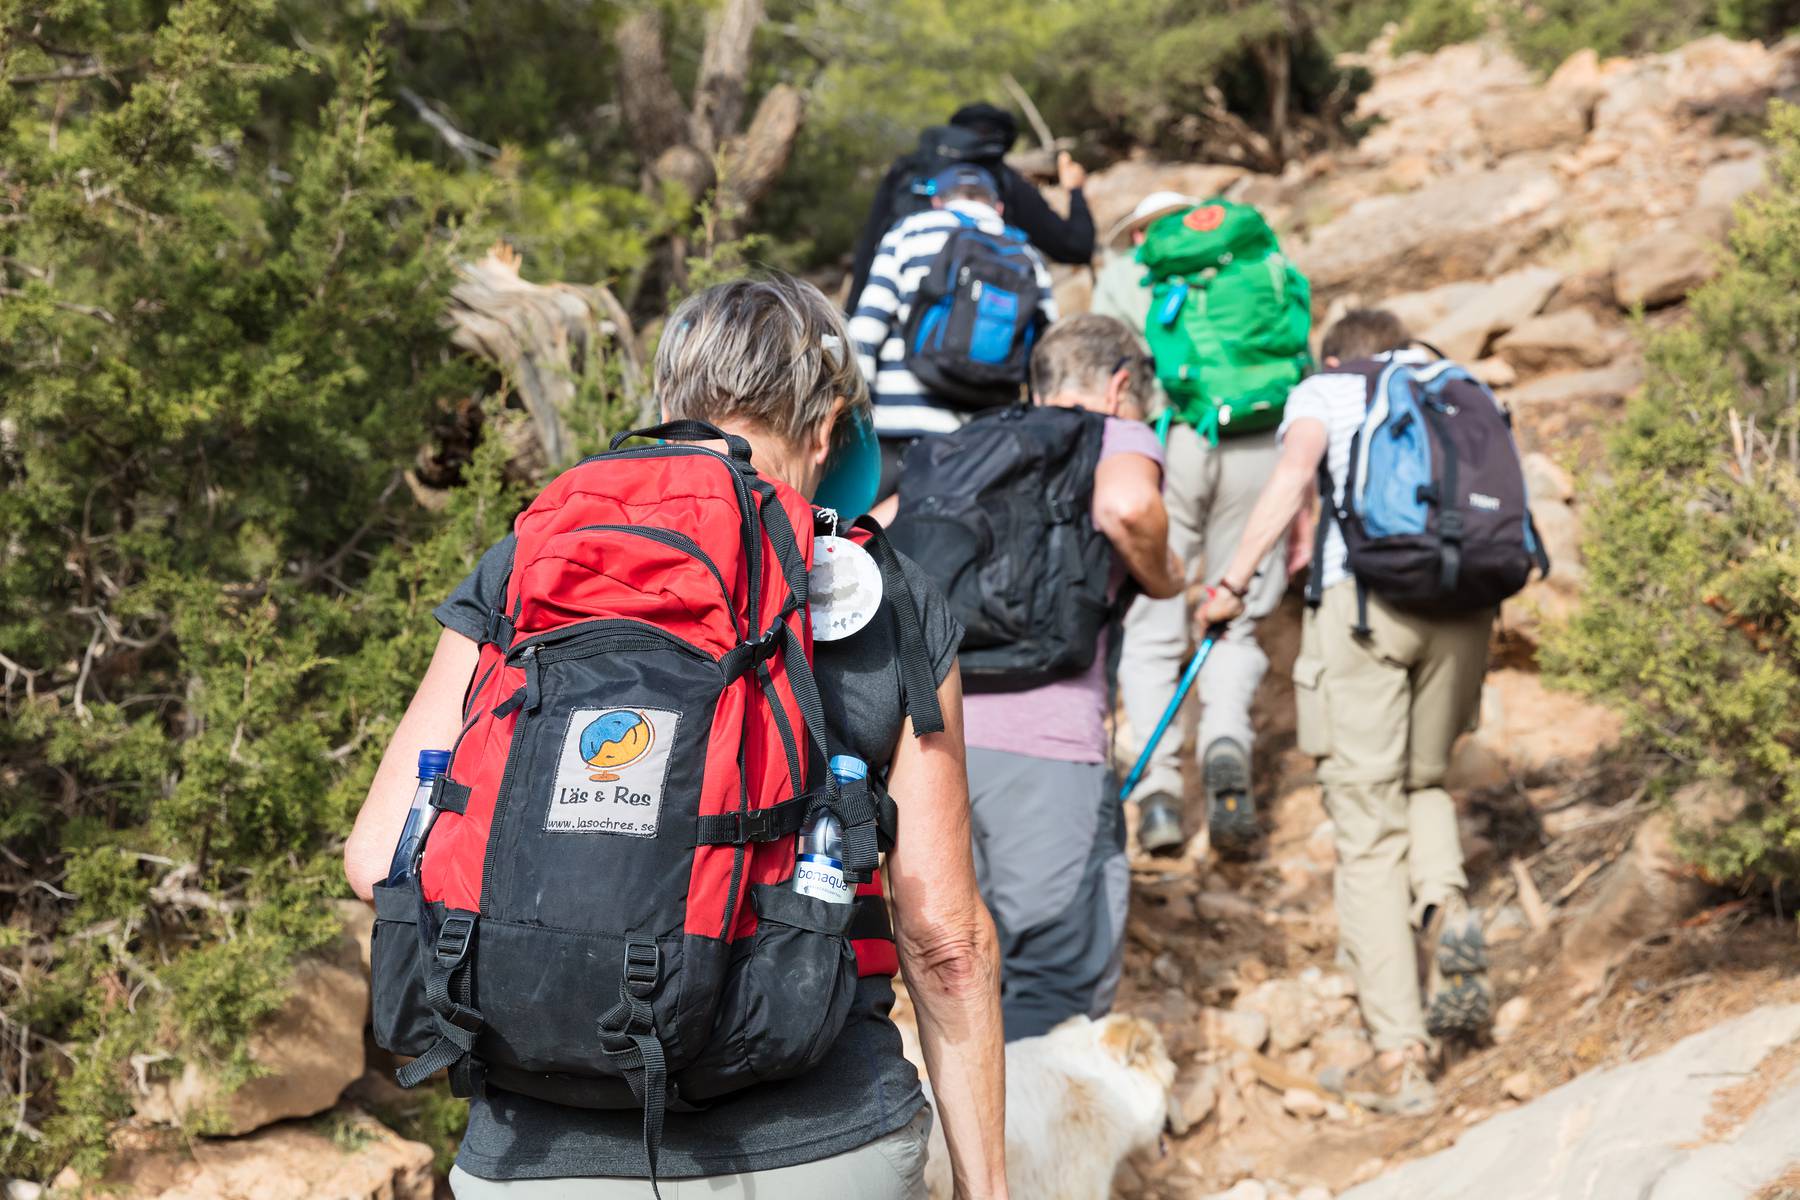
(1450, 525)
(453, 940)
(1061, 512)
(643, 968)
(754, 826)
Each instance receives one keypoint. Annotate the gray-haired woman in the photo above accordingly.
(766, 359)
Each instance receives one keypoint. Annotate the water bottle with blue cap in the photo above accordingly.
(432, 763)
(819, 861)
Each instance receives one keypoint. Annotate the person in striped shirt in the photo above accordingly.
(905, 410)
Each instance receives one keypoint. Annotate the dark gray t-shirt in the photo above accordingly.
(865, 1090)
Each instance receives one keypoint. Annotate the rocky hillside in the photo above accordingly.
(1522, 226)
(1537, 230)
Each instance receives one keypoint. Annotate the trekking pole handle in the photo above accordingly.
(1213, 634)
(686, 429)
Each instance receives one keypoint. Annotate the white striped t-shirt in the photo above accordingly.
(1338, 402)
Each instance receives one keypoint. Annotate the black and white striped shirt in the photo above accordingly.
(903, 407)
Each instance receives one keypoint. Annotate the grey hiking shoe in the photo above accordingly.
(1159, 824)
(1403, 1089)
(1458, 997)
(1230, 810)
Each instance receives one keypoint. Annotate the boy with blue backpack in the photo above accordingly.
(945, 325)
(1423, 531)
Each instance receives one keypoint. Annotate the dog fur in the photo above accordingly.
(1079, 1101)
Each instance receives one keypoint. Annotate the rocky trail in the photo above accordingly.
(1647, 1042)
(1536, 230)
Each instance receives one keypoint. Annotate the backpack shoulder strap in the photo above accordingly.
(917, 681)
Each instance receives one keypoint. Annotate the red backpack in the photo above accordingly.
(601, 914)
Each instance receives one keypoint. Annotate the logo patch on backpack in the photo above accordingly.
(610, 776)
(1205, 219)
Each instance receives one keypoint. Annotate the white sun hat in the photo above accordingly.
(1156, 204)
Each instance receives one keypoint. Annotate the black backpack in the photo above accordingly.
(998, 515)
(1435, 516)
(974, 317)
(941, 147)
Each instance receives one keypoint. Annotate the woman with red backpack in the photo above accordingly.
(601, 936)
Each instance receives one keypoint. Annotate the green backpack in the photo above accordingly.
(1229, 317)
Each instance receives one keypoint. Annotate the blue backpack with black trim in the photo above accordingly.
(1435, 515)
(975, 317)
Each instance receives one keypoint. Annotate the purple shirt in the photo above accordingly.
(1064, 720)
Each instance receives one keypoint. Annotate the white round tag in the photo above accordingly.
(843, 591)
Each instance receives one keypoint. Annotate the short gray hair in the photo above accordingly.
(1081, 353)
(768, 349)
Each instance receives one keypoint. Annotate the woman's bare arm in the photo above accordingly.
(431, 722)
(948, 951)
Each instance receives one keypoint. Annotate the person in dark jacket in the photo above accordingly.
(1061, 239)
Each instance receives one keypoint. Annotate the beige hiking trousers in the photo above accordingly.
(1209, 491)
(888, 1168)
(1381, 712)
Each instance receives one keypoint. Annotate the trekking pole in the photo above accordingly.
(1213, 634)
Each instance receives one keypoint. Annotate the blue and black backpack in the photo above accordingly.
(1434, 514)
(973, 321)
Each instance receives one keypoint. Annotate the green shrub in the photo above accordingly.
(1436, 23)
(1690, 619)
(1545, 34)
(219, 348)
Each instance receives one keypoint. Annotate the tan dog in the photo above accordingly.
(1079, 1100)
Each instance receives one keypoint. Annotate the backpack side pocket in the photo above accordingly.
(401, 1021)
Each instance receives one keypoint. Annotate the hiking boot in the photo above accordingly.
(1400, 1087)
(1159, 824)
(1230, 810)
(1458, 998)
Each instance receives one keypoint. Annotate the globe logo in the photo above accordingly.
(614, 740)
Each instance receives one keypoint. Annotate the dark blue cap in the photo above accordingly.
(966, 175)
(433, 763)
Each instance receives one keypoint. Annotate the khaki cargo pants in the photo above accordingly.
(1381, 713)
(1209, 491)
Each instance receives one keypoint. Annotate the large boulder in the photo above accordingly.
(1528, 732)
(1569, 337)
(1712, 76)
(307, 1053)
(1652, 888)
(1507, 301)
(1452, 228)
(1649, 1129)
(1422, 310)
(1726, 182)
(1534, 119)
(1662, 268)
(1566, 389)
(351, 1156)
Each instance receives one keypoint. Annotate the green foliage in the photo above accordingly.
(1432, 24)
(223, 343)
(1111, 74)
(1544, 34)
(1690, 621)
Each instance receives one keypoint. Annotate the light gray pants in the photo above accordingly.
(1209, 491)
(889, 1168)
(1050, 861)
